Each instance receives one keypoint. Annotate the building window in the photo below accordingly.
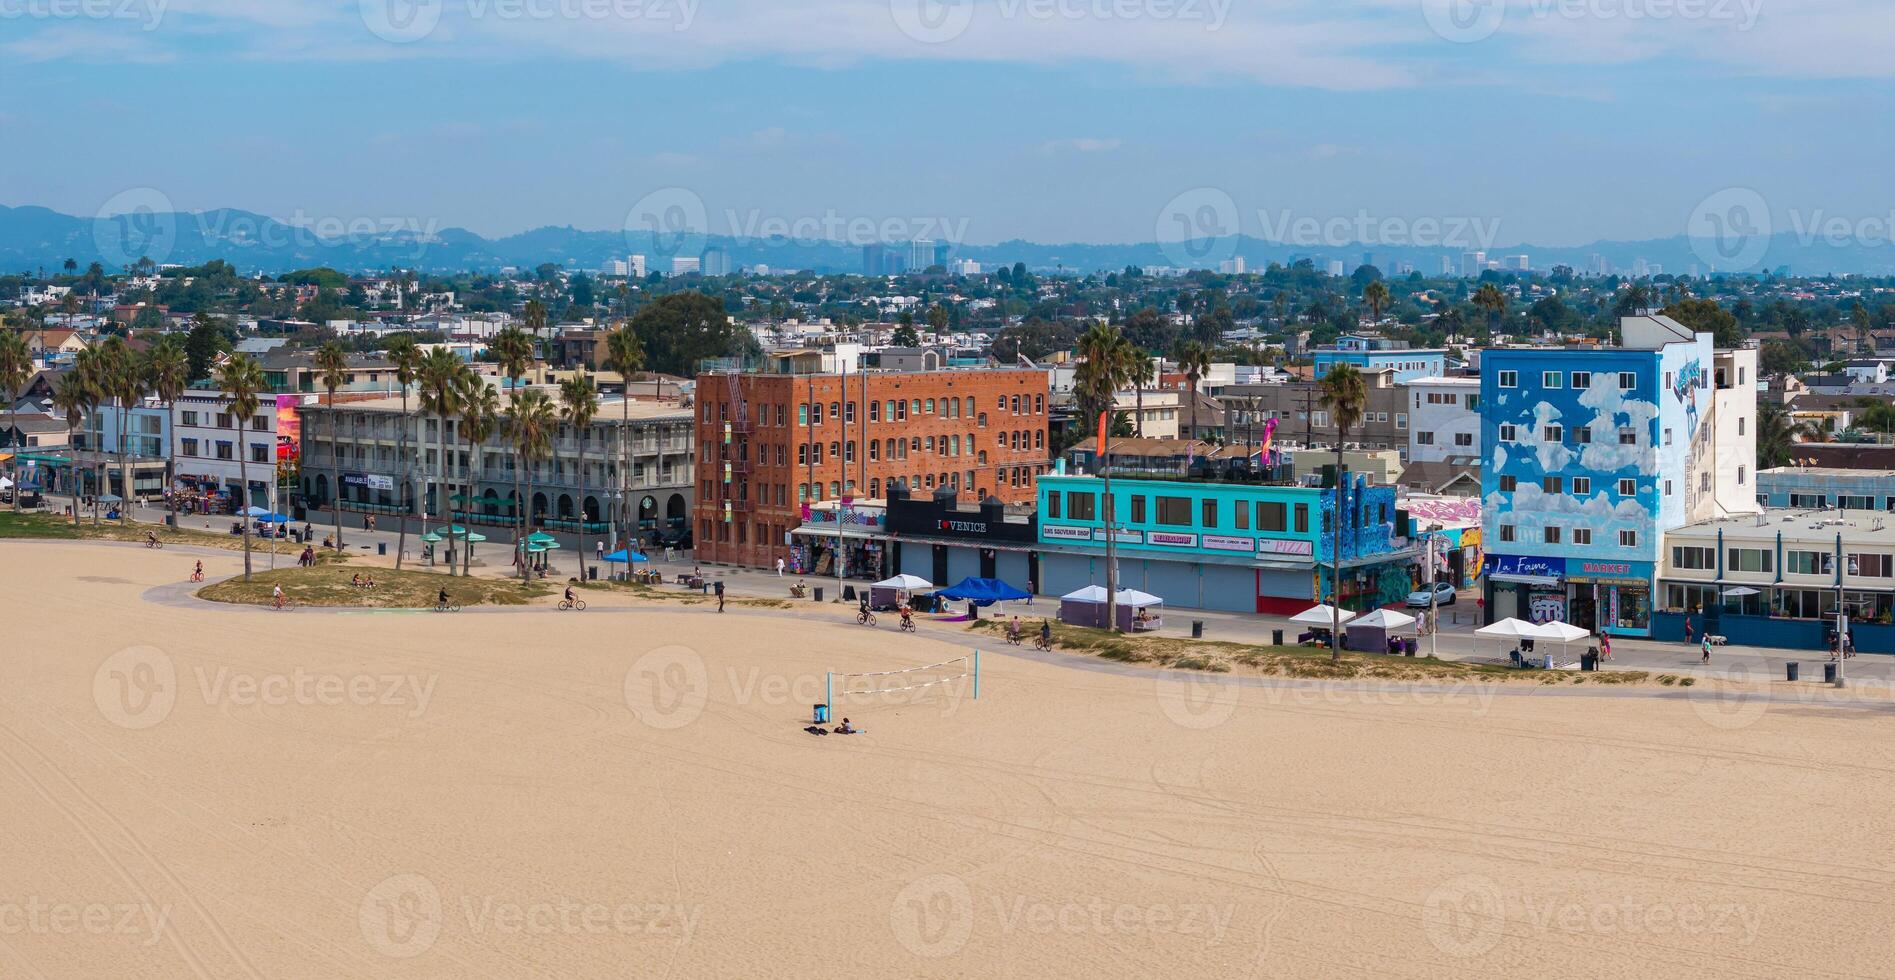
(1052, 504)
(1809, 563)
(1271, 516)
(1759, 560)
(1693, 558)
(1138, 509)
(1508, 433)
(1871, 566)
(1302, 518)
(1506, 532)
(1553, 433)
(1582, 436)
(1582, 535)
(1582, 379)
(1627, 381)
(1553, 485)
(1582, 486)
(1628, 488)
(1401, 420)
(1552, 535)
(1210, 515)
(1552, 379)
(1424, 438)
(1464, 440)
(1509, 379)
(1174, 511)
(1081, 506)
(1628, 539)
(1628, 436)
(1740, 482)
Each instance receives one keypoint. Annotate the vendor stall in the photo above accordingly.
(1138, 612)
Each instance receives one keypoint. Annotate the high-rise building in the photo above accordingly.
(715, 261)
(1473, 263)
(682, 266)
(1589, 457)
(874, 259)
(921, 255)
(1232, 266)
(637, 262)
(1447, 265)
(770, 443)
(965, 267)
(1335, 267)
(1519, 263)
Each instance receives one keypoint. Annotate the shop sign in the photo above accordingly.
(1527, 566)
(1638, 572)
(1056, 532)
(1173, 540)
(1284, 546)
(1218, 542)
(371, 481)
(1123, 536)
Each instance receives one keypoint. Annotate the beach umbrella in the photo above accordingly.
(1320, 616)
(431, 538)
(473, 536)
(535, 548)
(1740, 592)
(546, 541)
(622, 555)
(454, 530)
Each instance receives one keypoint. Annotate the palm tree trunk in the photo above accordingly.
(1138, 392)
(467, 536)
(401, 493)
(519, 516)
(124, 468)
(582, 505)
(445, 512)
(526, 528)
(243, 478)
(1335, 568)
(335, 469)
(171, 464)
(14, 462)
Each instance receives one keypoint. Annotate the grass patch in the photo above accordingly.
(1219, 656)
(57, 528)
(331, 585)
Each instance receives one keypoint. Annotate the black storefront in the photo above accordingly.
(945, 543)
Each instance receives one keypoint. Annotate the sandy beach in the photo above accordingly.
(200, 790)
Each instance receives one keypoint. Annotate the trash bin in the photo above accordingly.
(171, 520)
(381, 547)
(821, 713)
(592, 573)
(1792, 670)
(1197, 629)
(1588, 662)
(848, 593)
(816, 593)
(1829, 673)
(1276, 638)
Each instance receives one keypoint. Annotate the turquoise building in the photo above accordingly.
(1232, 546)
(1372, 354)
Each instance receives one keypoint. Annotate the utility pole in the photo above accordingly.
(1111, 536)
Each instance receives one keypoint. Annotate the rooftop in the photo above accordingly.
(1856, 527)
(611, 407)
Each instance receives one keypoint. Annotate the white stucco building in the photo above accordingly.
(1444, 419)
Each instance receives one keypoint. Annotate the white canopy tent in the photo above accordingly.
(1375, 631)
(1087, 607)
(1320, 616)
(1384, 619)
(1508, 629)
(911, 583)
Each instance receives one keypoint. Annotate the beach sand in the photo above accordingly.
(192, 790)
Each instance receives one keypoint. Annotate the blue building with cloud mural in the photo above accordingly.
(1591, 456)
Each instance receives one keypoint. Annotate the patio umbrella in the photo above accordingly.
(431, 538)
(624, 556)
(546, 541)
(454, 530)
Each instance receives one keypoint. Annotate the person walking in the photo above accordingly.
(1706, 648)
(1605, 645)
(720, 595)
(779, 566)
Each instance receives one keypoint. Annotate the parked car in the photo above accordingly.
(1442, 592)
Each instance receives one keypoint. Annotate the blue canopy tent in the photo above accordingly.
(625, 557)
(982, 592)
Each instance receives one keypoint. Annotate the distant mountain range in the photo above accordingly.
(33, 238)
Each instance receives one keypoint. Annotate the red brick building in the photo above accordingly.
(766, 443)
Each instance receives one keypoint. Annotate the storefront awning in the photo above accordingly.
(852, 533)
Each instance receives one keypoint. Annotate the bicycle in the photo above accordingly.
(865, 618)
(1013, 638)
(907, 626)
(154, 544)
(283, 605)
(1043, 645)
(197, 576)
(578, 605)
(451, 607)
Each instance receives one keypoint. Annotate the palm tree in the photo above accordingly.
(1375, 294)
(579, 402)
(535, 317)
(124, 382)
(406, 358)
(167, 371)
(16, 365)
(1344, 395)
(514, 350)
(1777, 435)
(1139, 372)
(1102, 370)
(529, 427)
(440, 397)
(1194, 360)
(89, 368)
(71, 398)
(333, 363)
(625, 355)
(1492, 301)
(480, 415)
(242, 382)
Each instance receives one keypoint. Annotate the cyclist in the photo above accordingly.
(1046, 634)
(277, 598)
(1013, 631)
(197, 574)
(907, 616)
(440, 599)
(569, 596)
(151, 539)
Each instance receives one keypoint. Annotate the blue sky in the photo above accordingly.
(1052, 120)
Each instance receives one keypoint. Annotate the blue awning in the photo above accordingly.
(983, 591)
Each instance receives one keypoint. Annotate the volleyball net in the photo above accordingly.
(907, 680)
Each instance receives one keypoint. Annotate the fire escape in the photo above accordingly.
(734, 454)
